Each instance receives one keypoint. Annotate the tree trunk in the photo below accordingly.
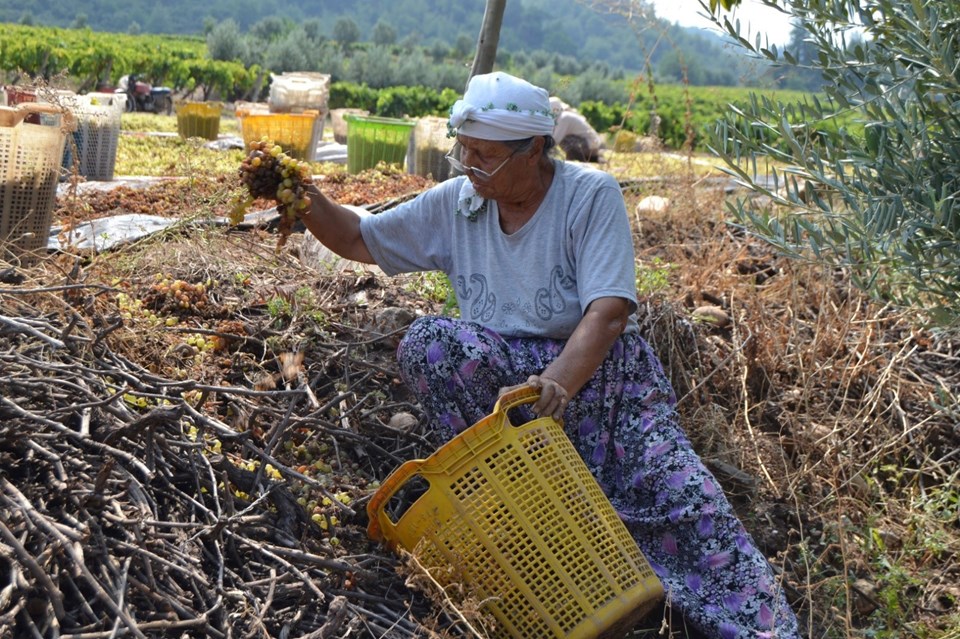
(487, 43)
(489, 38)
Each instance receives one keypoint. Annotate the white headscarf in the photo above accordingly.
(498, 106)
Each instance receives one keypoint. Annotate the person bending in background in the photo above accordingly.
(540, 254)
(578, 139)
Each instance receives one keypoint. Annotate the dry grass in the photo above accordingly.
(841, 413)
(831, 422)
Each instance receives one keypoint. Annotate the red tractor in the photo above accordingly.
(143, 96)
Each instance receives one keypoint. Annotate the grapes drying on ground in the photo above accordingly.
(268, 172)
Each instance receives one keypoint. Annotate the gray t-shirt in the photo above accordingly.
(536, 282)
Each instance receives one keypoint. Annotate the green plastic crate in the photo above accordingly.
(372, 139)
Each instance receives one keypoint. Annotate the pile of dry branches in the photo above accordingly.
(138, 501)
(117, 520)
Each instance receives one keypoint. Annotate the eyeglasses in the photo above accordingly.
(480, 174)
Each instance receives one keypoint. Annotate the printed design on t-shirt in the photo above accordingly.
(516, 307)
(483, 303)
(549, 300)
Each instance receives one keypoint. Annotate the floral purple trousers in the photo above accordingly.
(623, 423)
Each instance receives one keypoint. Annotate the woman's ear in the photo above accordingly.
(538, 143)
(536, 149)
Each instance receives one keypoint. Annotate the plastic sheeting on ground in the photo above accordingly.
(107, 233)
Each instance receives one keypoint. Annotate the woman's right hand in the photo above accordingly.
(337, 227)
(553, 396)
(313, 195)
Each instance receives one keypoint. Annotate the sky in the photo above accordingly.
(688, 13)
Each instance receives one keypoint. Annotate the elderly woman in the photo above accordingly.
(541, 257)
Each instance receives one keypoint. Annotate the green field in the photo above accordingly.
(81, 60)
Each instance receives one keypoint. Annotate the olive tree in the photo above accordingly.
(225, 42)
(869, 173)
(384, 34)
(287, 53)
(346, 32)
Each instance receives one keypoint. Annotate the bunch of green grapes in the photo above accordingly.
(269, 173)
(175, 296)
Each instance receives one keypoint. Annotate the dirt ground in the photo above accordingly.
(265, 396)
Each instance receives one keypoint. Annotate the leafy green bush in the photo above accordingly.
(346, 95)
(874, 190)
(671, 103)
(602, 116)
(413, 102)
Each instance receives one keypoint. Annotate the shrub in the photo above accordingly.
(875, 194)
(393, 102)
(353, 96)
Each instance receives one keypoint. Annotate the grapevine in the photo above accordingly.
(268, 172)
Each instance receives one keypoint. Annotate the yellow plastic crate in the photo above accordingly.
(199, 120)
(514, 513)
(30, 158)
(297, 133)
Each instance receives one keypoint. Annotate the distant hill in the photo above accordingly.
(555, 26)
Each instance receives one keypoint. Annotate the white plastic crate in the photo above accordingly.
(428, 149)
(30, 156)
(242, 108)
(98, 133)
(317, 135)
(294, 91)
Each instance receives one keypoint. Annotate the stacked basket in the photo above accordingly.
(294, 92)
(293, 116)
(429, 146)
(97, 134)
(30, 157)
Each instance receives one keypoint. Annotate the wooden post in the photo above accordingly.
(489, 38)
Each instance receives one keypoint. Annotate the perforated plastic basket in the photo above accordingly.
(297, 133)
(30, 156)
(429, 145)
(514, 513)
(339, 124)
(372, 139)
(14, 95)
(199, 120)
(98, 133)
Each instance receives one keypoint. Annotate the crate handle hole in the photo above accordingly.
(520, 415)
(408, 494)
